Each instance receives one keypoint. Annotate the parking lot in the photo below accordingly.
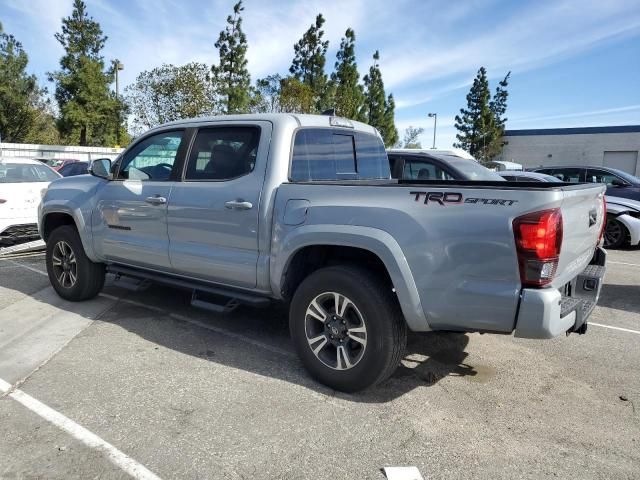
(183, 393)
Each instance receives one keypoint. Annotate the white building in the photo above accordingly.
(615, 147)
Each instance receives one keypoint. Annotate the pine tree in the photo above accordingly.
(231, 76)
(21, 99)
(349, 94)
(309, 61)
(89, 112)
(389, 131)
(498, 107)
(476, 123)
(379, 110)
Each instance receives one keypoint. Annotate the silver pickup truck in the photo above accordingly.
(251, 209)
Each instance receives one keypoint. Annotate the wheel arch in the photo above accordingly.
(57, 218)
(308, 248)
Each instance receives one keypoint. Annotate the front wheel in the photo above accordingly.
(615, 233)
(73, 276)
(347, 328)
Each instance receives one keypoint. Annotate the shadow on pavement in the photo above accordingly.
(620, 297)
(429, 357)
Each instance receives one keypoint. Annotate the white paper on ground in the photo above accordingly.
(402, 473)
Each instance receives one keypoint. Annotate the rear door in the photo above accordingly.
(214, 212)
(130, 224)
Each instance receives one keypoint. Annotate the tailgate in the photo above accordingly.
(582, 216)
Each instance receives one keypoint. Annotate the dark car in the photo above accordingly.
(619, 183)
(409, 164)
(73, 169)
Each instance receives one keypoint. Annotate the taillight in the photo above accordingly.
(604, 219)
(538, 238)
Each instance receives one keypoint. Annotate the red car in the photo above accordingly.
(58, 163)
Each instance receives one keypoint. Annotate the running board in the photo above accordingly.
(199, 289)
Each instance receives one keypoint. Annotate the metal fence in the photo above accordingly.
(26, 150)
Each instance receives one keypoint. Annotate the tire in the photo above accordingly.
(82, 282)
(615, 233)
(343, 362)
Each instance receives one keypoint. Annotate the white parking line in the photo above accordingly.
(624, 263)
(207, 326)
(28, 267)
(615, 328)
(91, 440)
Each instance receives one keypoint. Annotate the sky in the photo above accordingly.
(573, 63)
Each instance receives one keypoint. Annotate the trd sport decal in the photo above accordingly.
(453, 198)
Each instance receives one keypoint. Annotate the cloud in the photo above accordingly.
(576, 115)
(533, 36)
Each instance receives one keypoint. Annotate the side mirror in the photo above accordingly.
(616, 182)
(101, 168)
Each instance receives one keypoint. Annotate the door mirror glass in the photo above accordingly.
(101, 168)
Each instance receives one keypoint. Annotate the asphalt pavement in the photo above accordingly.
(141, 384)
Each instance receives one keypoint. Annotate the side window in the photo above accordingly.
(569, 175)
(223, 153)
(419, 169)
(600, 176)
(151, 159)
(332, 154)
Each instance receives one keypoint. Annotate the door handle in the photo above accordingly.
(238, 205)
(156, 200)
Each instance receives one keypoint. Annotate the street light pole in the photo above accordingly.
(435, 126)
(117, 66)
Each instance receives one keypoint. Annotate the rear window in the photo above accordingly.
(332, 154)
(26, 172)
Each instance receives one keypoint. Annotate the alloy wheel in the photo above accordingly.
(335, 330)
(64, 264)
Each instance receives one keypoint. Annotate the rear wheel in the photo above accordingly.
(615, 233)
(347, 328)
(73, 276)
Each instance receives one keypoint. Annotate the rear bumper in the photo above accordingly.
(18, 230)
(547, 313)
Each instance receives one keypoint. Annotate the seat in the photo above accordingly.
(223, 164)
(424, 174)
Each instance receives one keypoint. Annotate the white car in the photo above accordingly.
(21, 184)
(623, 222)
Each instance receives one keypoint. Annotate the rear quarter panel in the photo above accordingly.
(461, 256)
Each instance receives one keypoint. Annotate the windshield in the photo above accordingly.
(472, 169)
(26, 172)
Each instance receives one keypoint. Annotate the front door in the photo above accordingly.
(213, 213)
(130, 224)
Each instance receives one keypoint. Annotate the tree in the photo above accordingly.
(89, 112)
(389, 131)
(169, 93)
(498, 107)
(308, 64)
(266, 97)
(22, 101)
(411, 135)
(295, 96)
(481, 123)
(349, 94)
(231, 75)
(379, 110)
